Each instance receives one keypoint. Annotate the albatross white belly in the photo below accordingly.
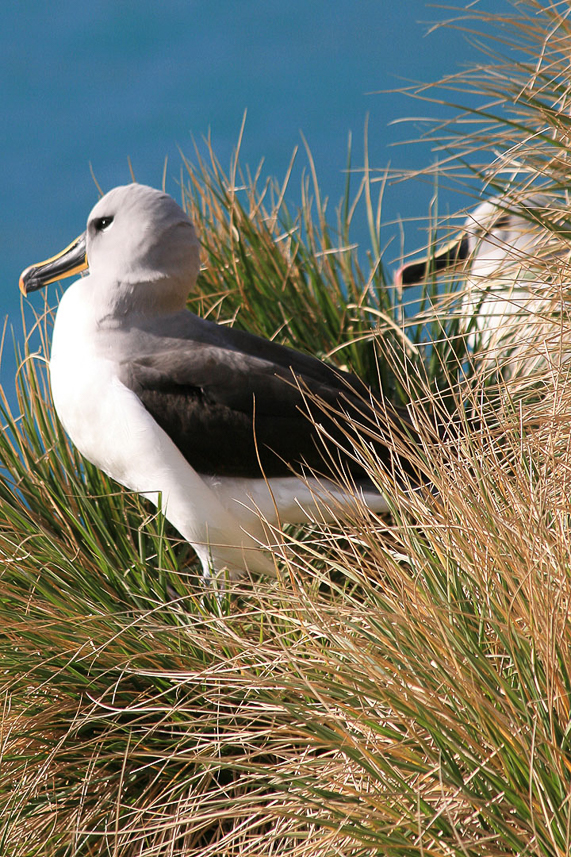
(112, 429)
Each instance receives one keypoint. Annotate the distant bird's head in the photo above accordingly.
(499, 233)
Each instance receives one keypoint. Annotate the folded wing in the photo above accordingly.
(249, 407)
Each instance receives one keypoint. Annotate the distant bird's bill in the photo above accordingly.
(68, 262)
(447, 258)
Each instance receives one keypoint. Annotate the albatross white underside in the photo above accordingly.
(208, 418)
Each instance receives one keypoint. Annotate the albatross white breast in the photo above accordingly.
(213, 420)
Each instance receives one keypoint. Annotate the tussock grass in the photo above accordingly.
(403, 687)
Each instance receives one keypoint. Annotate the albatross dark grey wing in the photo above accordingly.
(249, 407)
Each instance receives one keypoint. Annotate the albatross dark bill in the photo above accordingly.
(448, 257)
(68, 262)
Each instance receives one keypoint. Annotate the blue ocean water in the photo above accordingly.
(88, 86)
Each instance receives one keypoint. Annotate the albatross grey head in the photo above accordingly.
(135, 235)
(498, 233)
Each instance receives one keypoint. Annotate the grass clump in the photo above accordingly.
(403, 688)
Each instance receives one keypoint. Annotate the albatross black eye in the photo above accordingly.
(102, 223)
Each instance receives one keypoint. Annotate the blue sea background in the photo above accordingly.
(86, 87)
